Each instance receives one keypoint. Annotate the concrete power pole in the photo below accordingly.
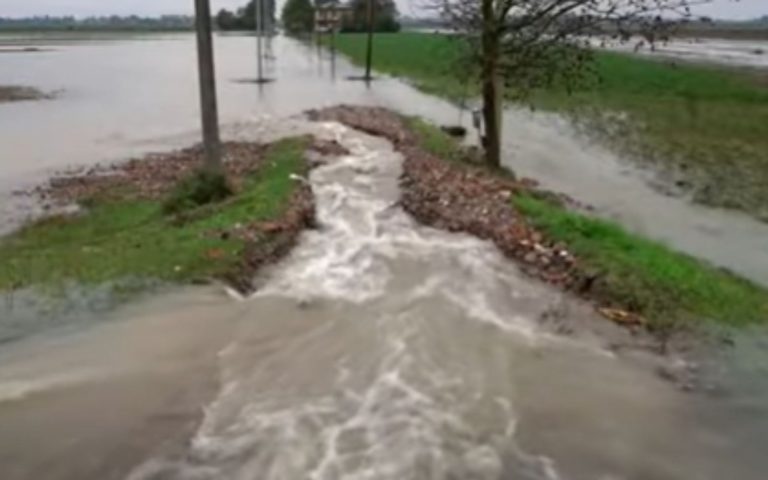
(258, 6)
(208, 106)
(369, 54)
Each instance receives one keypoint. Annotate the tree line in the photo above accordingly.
(113, 22)
(298, 16)
(245, 18)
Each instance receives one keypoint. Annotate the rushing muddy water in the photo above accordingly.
(133, 95)
(378, 350)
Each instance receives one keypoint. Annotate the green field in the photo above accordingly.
(703, 125)
(133, 239)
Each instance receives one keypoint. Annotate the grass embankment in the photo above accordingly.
(116, 239)
(667, 288)
(645, 276)
(704, 125)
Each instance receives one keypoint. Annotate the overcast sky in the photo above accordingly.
(742, 9)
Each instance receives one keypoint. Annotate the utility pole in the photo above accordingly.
(369, 55)
(258, 5)
(208, 107)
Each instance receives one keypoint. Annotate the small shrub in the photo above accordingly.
(201, 188)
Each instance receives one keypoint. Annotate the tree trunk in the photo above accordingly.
(208, 106)
(492, 86)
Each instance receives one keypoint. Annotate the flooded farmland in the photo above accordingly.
(379, 349)
(118, 109)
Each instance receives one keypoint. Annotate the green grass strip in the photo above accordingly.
(670, 289)
(667, 287)
(133, 239)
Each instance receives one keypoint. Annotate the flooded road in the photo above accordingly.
(129, 96)
(378, 350)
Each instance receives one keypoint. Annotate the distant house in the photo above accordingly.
(330, 15)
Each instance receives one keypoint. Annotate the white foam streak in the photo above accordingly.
(395, 412)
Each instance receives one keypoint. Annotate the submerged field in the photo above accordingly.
(704, 128)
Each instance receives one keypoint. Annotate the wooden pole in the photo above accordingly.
(369, 55)
(208, 106)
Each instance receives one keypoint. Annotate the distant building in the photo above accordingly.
(330, 15)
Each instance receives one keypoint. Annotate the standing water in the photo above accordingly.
(378, 350)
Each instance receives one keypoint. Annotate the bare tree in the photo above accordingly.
(521, 45)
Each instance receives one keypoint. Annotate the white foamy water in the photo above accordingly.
(384, 350)
(375, 406)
